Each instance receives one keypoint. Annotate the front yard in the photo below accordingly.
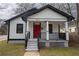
(71, 51)
(11, 49)
(19, 50)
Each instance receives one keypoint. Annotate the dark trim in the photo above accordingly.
(8, 31)
(21, 15)
(59, 29)
(15, 39)
(34, 11)
(27, 38)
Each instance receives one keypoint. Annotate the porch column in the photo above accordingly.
(27, 26)
(47, 30)
(67, 30)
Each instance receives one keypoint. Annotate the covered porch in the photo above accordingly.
(51, 33)
(49, 30)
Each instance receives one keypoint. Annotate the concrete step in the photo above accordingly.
(33, 39)
(31, 49)
(32, 44)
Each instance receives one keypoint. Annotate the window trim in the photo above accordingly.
(18, 32)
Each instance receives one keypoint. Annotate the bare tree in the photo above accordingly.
(66, 7)
(69, 9)
(77, 21)
(22, 7)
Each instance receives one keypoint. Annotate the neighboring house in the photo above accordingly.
(40, 28)
(72, 26)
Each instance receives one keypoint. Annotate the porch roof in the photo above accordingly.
(34, 11)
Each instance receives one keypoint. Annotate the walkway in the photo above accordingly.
(32, 53)
(3, 37)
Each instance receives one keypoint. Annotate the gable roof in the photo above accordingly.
(34, 11)
(20, 15)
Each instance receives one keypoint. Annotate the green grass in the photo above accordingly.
(18, 50)
(71, 51)
(11, 49)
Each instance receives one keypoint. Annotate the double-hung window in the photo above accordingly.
(19, 28)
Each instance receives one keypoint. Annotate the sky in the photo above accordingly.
(7, 10)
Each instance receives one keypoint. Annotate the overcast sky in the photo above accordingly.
(7, 10)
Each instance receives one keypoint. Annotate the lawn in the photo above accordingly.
(11, 49)
(19, 50)
(71, 51)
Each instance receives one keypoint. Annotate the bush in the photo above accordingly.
(3, 30)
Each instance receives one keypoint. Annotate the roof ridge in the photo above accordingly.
(35, 10)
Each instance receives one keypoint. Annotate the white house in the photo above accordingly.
(40, 28)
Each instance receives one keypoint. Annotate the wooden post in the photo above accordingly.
(27, 26)
(67, 30)
(47, 30)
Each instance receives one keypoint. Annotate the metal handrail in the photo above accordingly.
(38, 40)
(27, 36)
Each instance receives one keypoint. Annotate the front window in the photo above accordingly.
(19, 28)
(50, 28)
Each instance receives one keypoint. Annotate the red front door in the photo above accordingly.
(37, 29)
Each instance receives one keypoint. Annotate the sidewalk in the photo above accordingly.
(3, 37)
(32, 53)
